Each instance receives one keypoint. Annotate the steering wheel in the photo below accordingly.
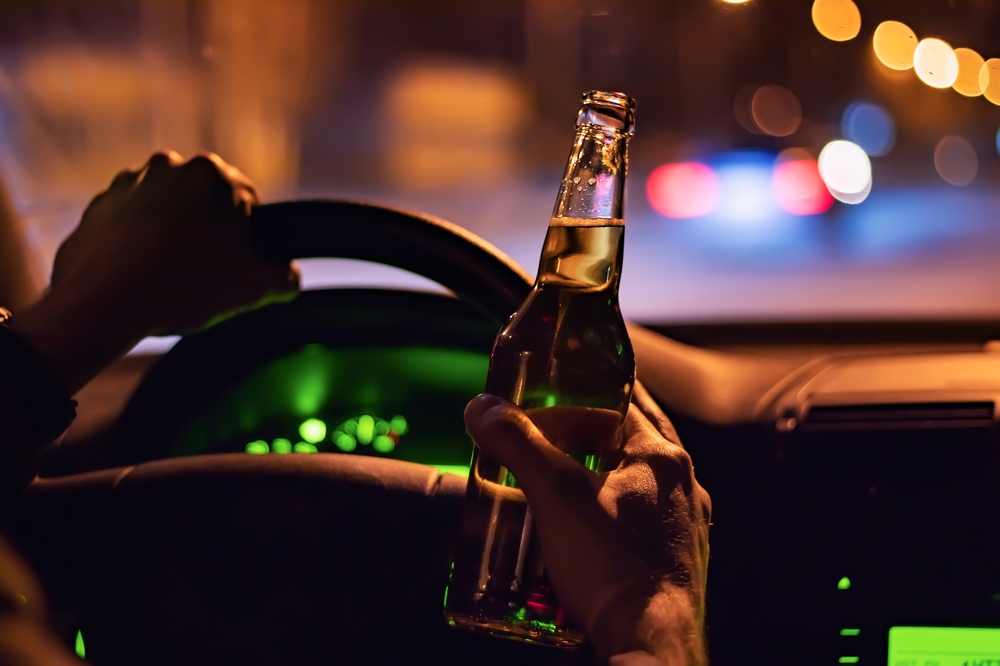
(243, 559)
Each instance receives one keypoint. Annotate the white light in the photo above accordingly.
(935, 63)
(846, 171)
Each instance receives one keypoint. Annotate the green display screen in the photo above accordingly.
(944, 646)
(404, 403)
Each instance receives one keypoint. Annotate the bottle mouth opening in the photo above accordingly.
(613, 110)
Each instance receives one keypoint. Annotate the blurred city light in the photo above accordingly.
(735, 2)
(683, 189)
(776, 110)
(894, 43)
(745, 190)
(998, 141)
(989, 80)
(451, 124)
(935, 63)
(870, 126)
(798, 188)
(742, 109)
(970, 64)
(846, 170)
(837, 20)
(955, 160)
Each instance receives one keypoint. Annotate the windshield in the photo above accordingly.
(792, 161)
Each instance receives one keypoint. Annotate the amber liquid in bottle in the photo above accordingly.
(565, 358)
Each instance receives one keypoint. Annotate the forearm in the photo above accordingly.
(672, 627)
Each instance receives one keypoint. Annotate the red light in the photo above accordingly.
(683, 189)
(799, 189)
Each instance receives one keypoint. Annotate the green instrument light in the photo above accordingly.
(366, 429)
(848, 660)
(398, 425)
(844, 583)
(944, 645)
(344, 442)
(312, 430)
(550, 400)
(257, 448)
(281, 445)
(381, 427)
(522, 613)
(850, 632)
(457, 470)
(81, 651)
(305, 447)
(383, 443)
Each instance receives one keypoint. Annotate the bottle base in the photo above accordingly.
(527, 632)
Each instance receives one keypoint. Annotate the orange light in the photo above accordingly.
(970, 64)
(894, 43)
(683, 189)
(837, 20)
(989, 80)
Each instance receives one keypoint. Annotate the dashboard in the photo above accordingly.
(856, 512)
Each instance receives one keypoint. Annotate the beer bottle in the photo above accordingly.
(566, 359)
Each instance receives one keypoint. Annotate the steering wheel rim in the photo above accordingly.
(455, 258)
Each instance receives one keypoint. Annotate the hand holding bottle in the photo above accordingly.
(626, 551)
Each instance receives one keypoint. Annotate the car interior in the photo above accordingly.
(283, 487)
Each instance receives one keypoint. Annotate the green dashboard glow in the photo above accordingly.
(943, 646)
(404, 403)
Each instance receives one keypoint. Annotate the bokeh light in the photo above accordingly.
(799, 189)
(776, 110)
(894, 43)
(955, 160)
(970, 64)
(989, 80)
(870, 126)
(746, 200)
(741, 109)
(846, 171)
(838, 20)
(683, 189)
(998, 141)
(935, 63)
(312, 430)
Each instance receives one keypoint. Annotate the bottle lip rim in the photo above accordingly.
(610, 98)
(610, 110)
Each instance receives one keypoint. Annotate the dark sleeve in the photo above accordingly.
(34, 411)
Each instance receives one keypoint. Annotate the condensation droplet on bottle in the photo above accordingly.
(579, 188)
(576, 180)
(591, 181)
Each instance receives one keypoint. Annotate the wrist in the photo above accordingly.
(78, 331)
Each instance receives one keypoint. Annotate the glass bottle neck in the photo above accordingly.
(593, 186)
(584, 244)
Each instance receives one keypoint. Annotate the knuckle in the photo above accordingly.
(203, 163)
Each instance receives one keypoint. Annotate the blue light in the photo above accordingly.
(870, 126)
(745, 188)
(998, 140)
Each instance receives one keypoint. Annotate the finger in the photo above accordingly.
(159, 165)
(243, 188)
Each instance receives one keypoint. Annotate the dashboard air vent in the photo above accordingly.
(905, 416)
